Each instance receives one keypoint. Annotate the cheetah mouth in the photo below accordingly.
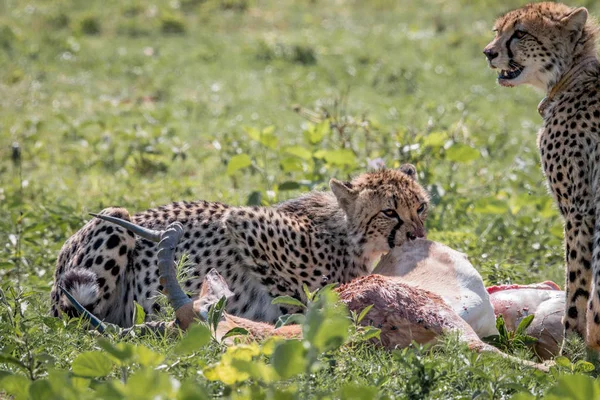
(512, 73)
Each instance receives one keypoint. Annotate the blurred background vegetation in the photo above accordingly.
(138, 103)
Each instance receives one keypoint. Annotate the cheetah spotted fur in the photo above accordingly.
(553, 47)
(262, 252)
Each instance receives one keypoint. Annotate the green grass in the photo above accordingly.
(136, 104)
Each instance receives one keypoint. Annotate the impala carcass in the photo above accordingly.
(545, 301)
(438, 268)
(404, 312)
(435, 267)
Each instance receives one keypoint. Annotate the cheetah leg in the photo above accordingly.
(593, 310)
(579, 274)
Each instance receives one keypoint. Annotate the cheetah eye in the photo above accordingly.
(390, 213)
(519, 34)
(422, 208)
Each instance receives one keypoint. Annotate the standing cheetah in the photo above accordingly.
(553, 47)
(262, 252)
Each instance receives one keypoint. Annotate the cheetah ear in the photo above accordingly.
(344, 193)
(575, 22)
(409, 170)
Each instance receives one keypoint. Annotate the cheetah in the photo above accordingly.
(262, 252)
(553, 47)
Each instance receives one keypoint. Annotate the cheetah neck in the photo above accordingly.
(568, 79)
(329, 223)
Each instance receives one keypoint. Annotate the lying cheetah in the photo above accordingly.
(319, 238)
(552, 46)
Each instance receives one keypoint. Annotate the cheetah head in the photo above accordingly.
(538, 43)
(384, 208)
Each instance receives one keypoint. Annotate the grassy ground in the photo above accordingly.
(137, 103)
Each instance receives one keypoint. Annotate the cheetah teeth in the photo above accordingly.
(509, 74)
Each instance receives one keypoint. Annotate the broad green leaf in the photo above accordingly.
(139, 314)
(289, 319)
(269, 140)
(268, 130)
(92, 364)
(241, 352)
(501, 326)
(524, 324)
(254, 198)
(315, 133)
(224, 370)
(238, 331)
(123, 352)
(40, 390)
(327, 323)
(289, 300)
(298, 151)
(291, 164)
(363, 313)
(216, 312)
(225, 373)
(191, 390)
(15, 385)
(147, 383)
(147, 357)
(309, 295)
(576, 387)
(337, 157)
(584, 366)
(370, 333)
(237, 162)
(197, 336)
(253, 133)
(462, 153)
(265, 137)
(256, 369)
(268, 346)
(563, 361)
(65, 385)
(435, 139)
(288, 359)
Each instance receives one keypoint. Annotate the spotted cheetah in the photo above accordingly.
(262, 252)
(553, 47)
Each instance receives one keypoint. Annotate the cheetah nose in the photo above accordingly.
(418, 232)
(490, 54)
